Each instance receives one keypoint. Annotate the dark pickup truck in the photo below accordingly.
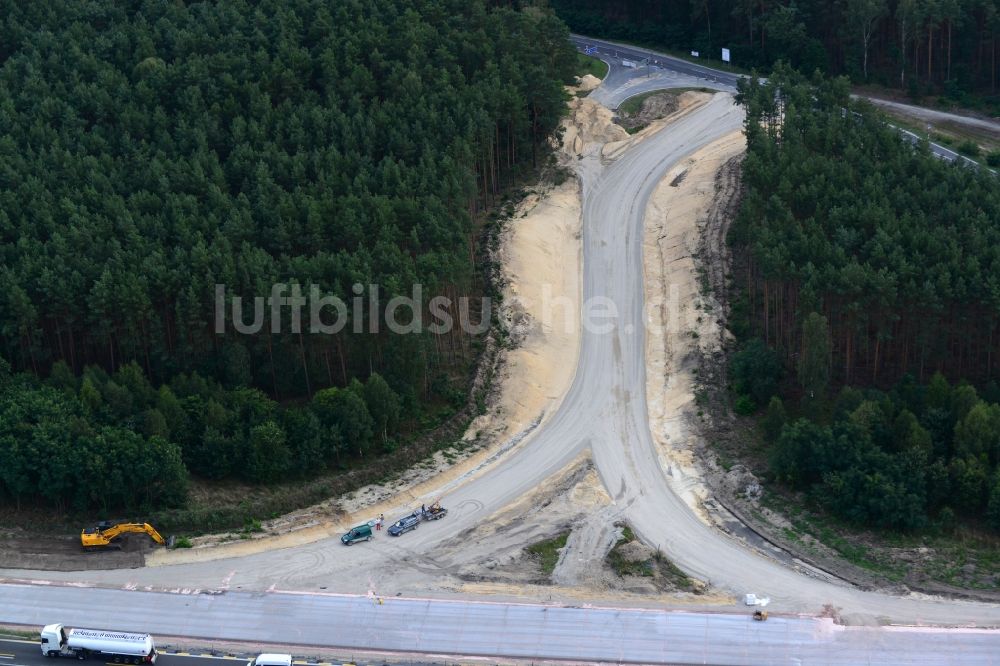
(404, 525)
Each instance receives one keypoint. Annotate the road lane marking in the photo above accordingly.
(204, 655)
(297, 662)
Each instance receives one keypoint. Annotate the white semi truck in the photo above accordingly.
(119, 647)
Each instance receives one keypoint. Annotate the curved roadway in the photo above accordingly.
(624, 82)
(605, 412)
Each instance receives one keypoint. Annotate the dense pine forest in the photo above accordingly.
(869, 301)
(920, 46)
(151, 150)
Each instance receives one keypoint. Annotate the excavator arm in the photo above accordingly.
(153, 534)
(104, 534)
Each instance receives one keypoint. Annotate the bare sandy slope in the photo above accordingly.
(589, 126)
(542, 266)
(679, 320)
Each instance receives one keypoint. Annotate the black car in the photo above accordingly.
(404, 525)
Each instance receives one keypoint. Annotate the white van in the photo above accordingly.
(268, 659)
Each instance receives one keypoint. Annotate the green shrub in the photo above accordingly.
(993, 158)
(756, 371)
(946, 520)
(547, 552)
(183, 542)
(774, 419)
(745, 406)
(969, 148)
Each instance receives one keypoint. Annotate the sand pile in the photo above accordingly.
(590, 123)
(587, 83)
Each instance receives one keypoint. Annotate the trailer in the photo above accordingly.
(119, 647)
(434, 512)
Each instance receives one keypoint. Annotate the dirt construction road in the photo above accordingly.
(605, 412)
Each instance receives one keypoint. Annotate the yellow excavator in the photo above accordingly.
(107, 533)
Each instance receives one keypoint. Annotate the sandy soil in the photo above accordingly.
(589, 127)
(681, 321)
(542, 265)
(558, 507)
(574, 500)
(587, 83)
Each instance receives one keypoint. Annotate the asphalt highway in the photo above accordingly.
(658, 61)
(503, 631)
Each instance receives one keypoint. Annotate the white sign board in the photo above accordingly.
(725, 55)
(752, 599)
(694, 54)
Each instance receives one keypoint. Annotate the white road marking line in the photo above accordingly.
(297, 662)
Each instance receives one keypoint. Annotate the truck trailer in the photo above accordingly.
(119, 647)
